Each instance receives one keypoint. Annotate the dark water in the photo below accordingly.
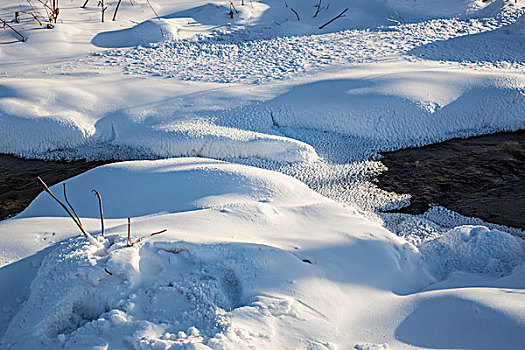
(18, 183)
(481, 176)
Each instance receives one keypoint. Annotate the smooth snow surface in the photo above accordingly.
(287, 233)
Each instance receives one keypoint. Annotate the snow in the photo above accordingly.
(281, 244)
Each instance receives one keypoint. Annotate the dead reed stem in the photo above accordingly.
(24, 39)
(333, 19)
(102, 231)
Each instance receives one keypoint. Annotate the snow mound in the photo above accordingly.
(214, 184)
(150, 31)
(475, 249)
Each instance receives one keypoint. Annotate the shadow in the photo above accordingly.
(7, 92)
(450, 322)
(16, 279)
(208, 14)
(142, 34)
(504, 44)
(378, 263)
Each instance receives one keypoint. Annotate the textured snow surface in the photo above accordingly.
(474, 249)
(237, 58)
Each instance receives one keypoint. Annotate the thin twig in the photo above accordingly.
(155, 12)
(79, 224)
(296, 14)
(145, 237)
(116, 9)
(70, 206)
(318, 8)
(101, 211)
(232, 5)
(13, 29)
(129, 232)
(333, 19)
(63, 206)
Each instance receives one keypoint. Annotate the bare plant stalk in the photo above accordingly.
(55, 10)
(31, 4)
(34, 16)
(129, 232)
(46, 7)
(103, 10)
(70, 206)
(395, 17)
(45, 4)
(148, 236)
(233, 6)
(116, 9)
(86, 234)
(296, 14)
(101, 211)
(333, 19)
(152, 9)
(318, 8)
(62, 204)
(13, 29)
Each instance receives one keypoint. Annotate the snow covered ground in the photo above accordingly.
(266, 90)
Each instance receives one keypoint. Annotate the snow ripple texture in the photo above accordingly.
(237, 57)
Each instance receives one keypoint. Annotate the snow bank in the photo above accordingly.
(405, 109)
(36, 124)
